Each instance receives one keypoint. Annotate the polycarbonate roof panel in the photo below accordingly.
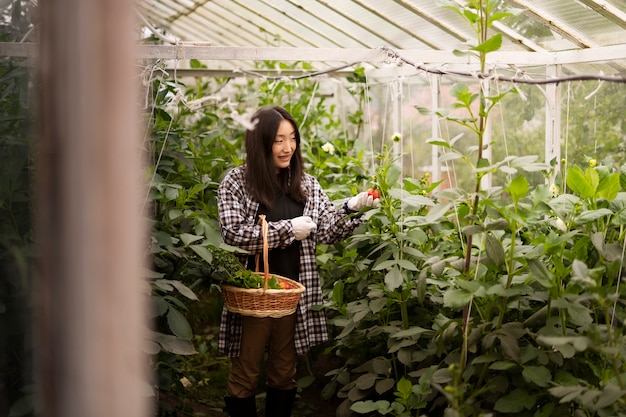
(541, 25)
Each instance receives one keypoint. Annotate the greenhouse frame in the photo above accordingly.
(484, 290)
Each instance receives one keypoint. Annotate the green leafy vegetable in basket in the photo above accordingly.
(248, 279)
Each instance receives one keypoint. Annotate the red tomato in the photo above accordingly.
(374, 193)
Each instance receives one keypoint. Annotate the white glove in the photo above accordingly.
(362, 200)
(302, 226)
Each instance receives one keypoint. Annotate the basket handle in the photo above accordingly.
(266, 266)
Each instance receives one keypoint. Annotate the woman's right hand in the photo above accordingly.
(303, 226)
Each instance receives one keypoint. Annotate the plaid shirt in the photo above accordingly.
(237, 213)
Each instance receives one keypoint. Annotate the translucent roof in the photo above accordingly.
(544, 26)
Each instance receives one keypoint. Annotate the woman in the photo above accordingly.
(299, 214)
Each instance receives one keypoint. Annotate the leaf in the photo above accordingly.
(417, 201)
(394, 173)
(509, 344)
(179, 324)
(377, 304)
(580, 272)
(502, 365)
(518, 188)
(24, 405)
(438, 142)
(384, 385)
(164, 284)
(452, 155)
(579, 183)
(306, 381)
(563, 204)
(410, 332)
(384, 265)
(369, 406)
(591, 215)
(174, 213)
(437, 212)
(184, 290)
(396, 346)
(408, 265)
(366, 381)
(174, 344)
(515, 402)
(538, 375)
(499, 224)
(494, 249)
(492, 44)
(567, 393)
(579, 314)
(188, 238)
(579, 343)
(456, 298)
(203, 252)
(393, 278)
(472, 229)
(609, 187)
(540, 272)
(609, 396)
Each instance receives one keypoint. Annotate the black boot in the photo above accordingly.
(240, 407)
(278, 402)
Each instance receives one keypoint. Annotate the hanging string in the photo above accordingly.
(308, 107)
(504, 137)
(384, 118)
(369, 121)
(619, 280)
(399, 101)
(339, 87)
(595, 125)
(564, 173)
(412, 149)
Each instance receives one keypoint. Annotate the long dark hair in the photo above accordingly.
(261, 179)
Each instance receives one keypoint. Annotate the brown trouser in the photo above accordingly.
(258, 335)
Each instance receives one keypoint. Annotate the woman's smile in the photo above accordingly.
(284, 145)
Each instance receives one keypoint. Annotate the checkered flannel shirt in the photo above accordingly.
(237, 213)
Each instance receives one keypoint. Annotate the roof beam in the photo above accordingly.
(393, 23)
(607, 11)
(329, 5)
(556, 25)
(306, 8)
(451, 30)
(516, 37)
(364, 55)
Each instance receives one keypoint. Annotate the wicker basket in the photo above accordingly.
(263, 302)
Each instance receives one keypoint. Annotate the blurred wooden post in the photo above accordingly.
(90, 308)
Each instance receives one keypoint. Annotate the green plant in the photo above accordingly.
(493, 301)
(18, 251)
